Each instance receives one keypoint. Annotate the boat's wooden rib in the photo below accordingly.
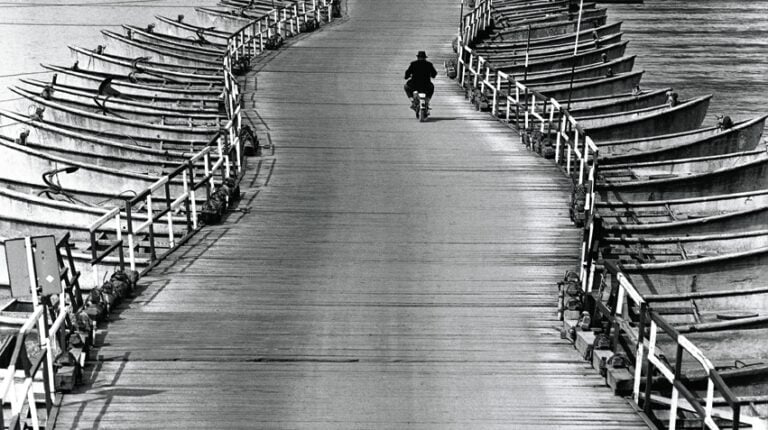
(683, 178)
(108, 109)
(700, 215)
(182, 29)
(489, 48)
(109, 63)
(193, 44)
(154, 104)
(601, 55)
(198, 94)
(742, 136)
(682, 117)
(78, 117)
(129, 48)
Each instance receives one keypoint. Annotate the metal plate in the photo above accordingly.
(18, 273)
(47, 264)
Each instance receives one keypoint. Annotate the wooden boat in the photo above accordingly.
(603, 54)
(618, 65)
(581, 88)
(682, 117)
(516, 56)
(512, 22)
(547, 29)
(122, 65)
(158, 143)
(31, 215)
(558, 40)
(90, 149)
(683, 178)
(742, 136)
(710, 214)
(154, 104)
(129, 48)
(693, 266)
(620, 102)
(78, 117)
(508, 19)
(224, 20)
(195, 93)
(739, 355)
(182, 29)
(598, 70)
(529, 5)
(192, 44)
(518, 30)
(110, 109)
(712, 289)
(22, 169)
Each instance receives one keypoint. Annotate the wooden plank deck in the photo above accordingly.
(380, 273)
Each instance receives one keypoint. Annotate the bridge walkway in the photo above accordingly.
(379, 272)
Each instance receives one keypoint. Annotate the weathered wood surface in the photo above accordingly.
(383, 273)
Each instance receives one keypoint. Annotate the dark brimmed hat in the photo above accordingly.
(421, 54)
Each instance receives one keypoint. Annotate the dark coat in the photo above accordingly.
(420, 73)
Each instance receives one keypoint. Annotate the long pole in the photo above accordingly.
(575, 51)
(578, 28)
(527, 48)
(570, 88)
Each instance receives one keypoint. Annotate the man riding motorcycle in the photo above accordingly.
(419, 75)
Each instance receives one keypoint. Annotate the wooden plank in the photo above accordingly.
(384, 273)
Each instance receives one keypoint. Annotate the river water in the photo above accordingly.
(38, 31)
(701, 47)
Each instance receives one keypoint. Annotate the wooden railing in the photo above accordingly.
(158, 204)
(25, 376)
(624, 302)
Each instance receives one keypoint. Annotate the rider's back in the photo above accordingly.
(420, 72)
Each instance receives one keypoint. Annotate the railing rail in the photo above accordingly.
(157, 204)
(648, 359)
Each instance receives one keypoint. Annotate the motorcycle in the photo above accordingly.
(420, 106)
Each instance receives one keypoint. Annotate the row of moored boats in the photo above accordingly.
(681, 206)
